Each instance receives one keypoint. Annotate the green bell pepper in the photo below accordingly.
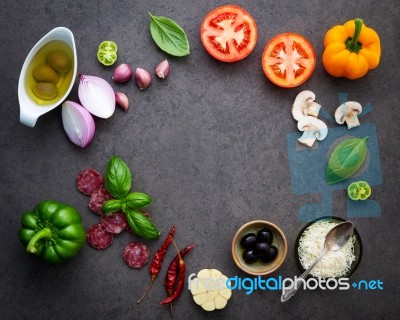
(52, 231)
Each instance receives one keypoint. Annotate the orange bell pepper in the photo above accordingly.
(351, 50)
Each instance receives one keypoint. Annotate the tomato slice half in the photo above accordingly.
(288, 60)
(108, 45)
(107, 58)
(229, 33)
(353, 191)
(359, 190)
(364, 190)
(107, 52)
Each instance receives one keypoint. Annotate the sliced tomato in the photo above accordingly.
(229, 33)
(108, 45)
(353, 191)
(365, 190)
(359, 190)
(107, 58)
(288, 60)
(107, 53)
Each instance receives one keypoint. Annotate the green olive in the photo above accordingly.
(45, 73)
(45, 90)
(59, 60)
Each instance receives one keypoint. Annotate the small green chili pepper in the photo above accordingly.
(52, 231)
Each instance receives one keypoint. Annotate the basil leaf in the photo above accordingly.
(141, 225)
(137, 200)
(169, 36)
(111, 206)
(118, 178)
(347, 157)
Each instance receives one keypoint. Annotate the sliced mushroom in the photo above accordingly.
(313, 129)
(348, 112)
(304, 105)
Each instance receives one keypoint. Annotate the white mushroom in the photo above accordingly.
(348, 112)
(313, 129)
(304, 105)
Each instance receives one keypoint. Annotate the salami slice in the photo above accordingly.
(89, 180)
(114, 223)
(136, 254)
(97, 198)
(98, 237)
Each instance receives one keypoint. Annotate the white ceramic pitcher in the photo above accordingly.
(30, 111)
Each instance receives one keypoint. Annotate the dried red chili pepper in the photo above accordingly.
(170, 278)
(156, 263)
(176, 264)
(180, 285)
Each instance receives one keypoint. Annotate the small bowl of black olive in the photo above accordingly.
(259, 247)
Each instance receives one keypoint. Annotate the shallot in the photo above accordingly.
(78, 123)
(96, 95)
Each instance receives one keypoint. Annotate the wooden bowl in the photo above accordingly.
(259, 268)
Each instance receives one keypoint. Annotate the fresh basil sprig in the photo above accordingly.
(118, 183)
(347, 157)
(169, 36)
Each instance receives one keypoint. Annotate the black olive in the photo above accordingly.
(261, 248)
(271, 255)
(265, 235)
(249, 256)
(248, 241)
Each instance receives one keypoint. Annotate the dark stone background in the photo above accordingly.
(208, 144)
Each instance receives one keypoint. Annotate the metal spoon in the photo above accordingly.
(336, 238)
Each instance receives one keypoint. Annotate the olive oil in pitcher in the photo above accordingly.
(50, 73)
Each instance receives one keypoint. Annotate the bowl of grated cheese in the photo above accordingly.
(336, 264)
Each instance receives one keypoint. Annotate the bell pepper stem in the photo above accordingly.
(352, 43)
(45, 233)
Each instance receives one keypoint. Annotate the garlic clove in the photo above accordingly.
(123, 73)
(142, 78)
(122, 100)
(162, 70)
